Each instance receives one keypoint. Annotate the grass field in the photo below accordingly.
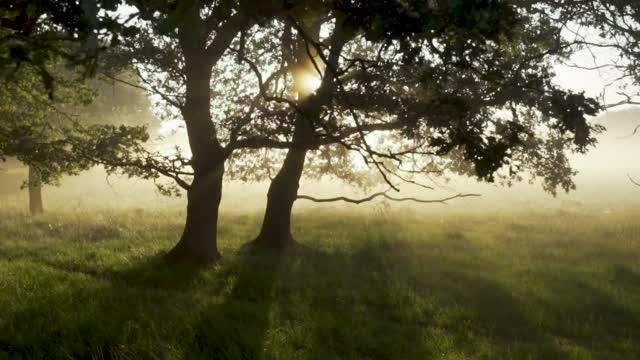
(522, 285)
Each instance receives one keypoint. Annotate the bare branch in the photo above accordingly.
(627, 101)
(169, 98)
(263, 85)
(384, 195)
(406, 180)
(635, 131)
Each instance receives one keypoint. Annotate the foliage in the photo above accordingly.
(440, 71)
(38, 33)
(443, 74)
(617, 23)
(62, 137)
(30, 119)
(464, 95)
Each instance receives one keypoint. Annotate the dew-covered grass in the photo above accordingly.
(399, 285)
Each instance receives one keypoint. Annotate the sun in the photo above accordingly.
(307, 82)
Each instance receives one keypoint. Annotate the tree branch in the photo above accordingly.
(384, 195)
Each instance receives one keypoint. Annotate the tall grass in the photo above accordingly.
(398, 285)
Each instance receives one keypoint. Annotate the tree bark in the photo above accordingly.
(35, 192)
(198, 243)
(275, 233)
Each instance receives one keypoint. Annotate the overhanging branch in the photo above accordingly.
(383, 194)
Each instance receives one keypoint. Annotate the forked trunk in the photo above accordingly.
(198, 243)
(275, 233)
(35, 192)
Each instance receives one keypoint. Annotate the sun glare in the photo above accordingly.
(307, 82)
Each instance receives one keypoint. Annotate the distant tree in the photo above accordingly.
(41, 43)
(617, 24)
(46, 135)
(29, 116)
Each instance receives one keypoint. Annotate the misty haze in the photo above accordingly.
(311, 179)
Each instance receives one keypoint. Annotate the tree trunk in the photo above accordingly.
(275, 233)
(198, 243)
(35, 192)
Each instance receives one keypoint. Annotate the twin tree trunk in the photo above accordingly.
(199, 239)
(35, 192)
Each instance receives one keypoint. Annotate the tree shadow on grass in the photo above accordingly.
(97, 312)
(149, 272)
(373, 300)
(235, 327)
(146, 310)
(595, 316)
(380, 301)
(560, 315)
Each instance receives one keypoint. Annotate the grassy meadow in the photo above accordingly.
(397, 285)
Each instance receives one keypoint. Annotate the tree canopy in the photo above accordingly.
(468, 84)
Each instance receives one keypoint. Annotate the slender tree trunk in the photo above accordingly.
(275, 233)
(198, 243)
(35, 192)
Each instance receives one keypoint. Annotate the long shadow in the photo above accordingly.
(235, 327)
(378, 307)
(594, 318)
(229, 323)
(148, 272)
(376, 299)
(363, 302)
(96, 320)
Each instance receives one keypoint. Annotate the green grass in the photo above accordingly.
(402, 286)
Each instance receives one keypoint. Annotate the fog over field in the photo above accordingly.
(602, 183)
(304, 179)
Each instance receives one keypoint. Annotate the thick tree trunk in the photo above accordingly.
(35, 192)
(198, 243)
(275, 233)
